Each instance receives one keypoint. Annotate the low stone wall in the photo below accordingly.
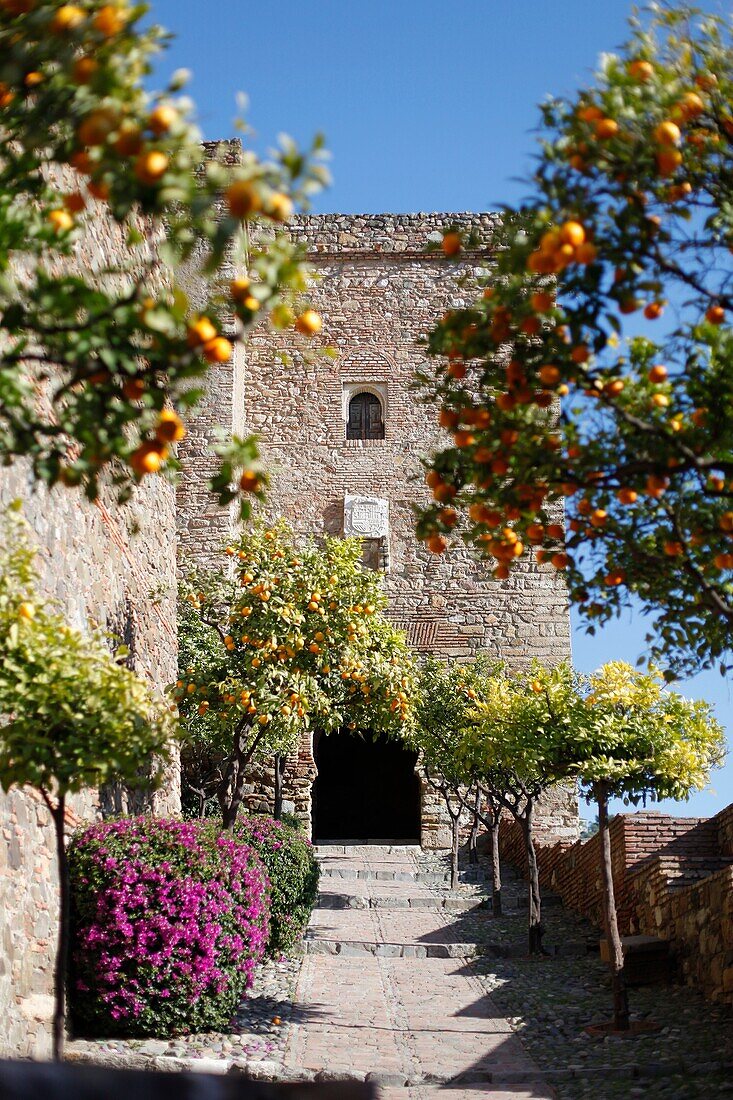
(673, 878)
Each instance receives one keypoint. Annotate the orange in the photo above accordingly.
(641, 70)
(580, 354)
(541, 301)
(614, 387)
(531, 325)
(26, 611)
(673, 549)
(590, 114)
(200, 332)
(464, 439)
(667, 133)
(61, 220)
(606, 128)
(82, 162)
(239, 288)
(279, 207)
(706, 81)
(98, 189)
(96, 127)
(559, 560)
(109, 20)
(309, 323)
(74, 202)
(660, 400)
(170, 427)
(653, 310)
(133, 389)
(689, 107)
(148, 458)
(501, 572)
(129, 141)
(250, 482)
(572, 233)
(161, 119)
(83, 70)
(243, 198)
(627, 496)
(658, 374)
(549, 375)
(218, 350)
(451, 244)
(668, 161)
(505, 402)
(67, 18)
(7, 95)
(613, 579)
(715, 315)
(448, 419)
(586, 253)
(436, 544)
(150, 167)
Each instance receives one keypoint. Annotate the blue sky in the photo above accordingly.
(426, 106)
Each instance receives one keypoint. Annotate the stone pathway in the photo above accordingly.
(387, 989)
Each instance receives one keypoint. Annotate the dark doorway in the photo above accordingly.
(365, 790)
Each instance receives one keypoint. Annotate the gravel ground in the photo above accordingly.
(550, 1001)
(255, 1034)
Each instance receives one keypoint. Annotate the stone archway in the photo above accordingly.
(365, 790)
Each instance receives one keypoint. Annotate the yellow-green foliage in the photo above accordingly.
(73, 716)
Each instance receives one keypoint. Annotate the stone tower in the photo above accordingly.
(342, 438)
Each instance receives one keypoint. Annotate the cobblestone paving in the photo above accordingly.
(420, 1027)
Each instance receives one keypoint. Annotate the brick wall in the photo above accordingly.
(673, 878)
(378, 292)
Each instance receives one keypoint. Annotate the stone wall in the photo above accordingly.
(114, 567)
(378, 292)
(672, 876)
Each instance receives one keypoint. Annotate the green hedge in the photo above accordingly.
(293, 870)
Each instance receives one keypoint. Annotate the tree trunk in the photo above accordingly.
(62, 954)
(280, 765)
(473, 838)
(230, 791)
(615, 950)
(495, 867)
(535, 929)
(456, 837)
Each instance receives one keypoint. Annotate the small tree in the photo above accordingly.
(638, 741)
(628, 213)
(516, 748)
(112, 346)
(297, 638)
(72, 715)
(446, 697)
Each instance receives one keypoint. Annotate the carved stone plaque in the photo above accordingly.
(366, 517)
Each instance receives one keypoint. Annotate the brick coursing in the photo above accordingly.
(378, 291)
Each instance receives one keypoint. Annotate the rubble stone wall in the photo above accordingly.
(113, 567)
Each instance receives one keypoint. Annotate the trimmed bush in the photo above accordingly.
(293, 870)
(169, 919)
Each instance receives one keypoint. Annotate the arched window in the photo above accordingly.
(365, 417)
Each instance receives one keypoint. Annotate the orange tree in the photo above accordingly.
(294, 636)
(99, 352)
(554, 383)
(636, 740)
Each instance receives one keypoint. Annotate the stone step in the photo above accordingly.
(367, 850)
(429, 901)
(321, 945)
(425, 878)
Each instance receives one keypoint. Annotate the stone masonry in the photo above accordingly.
(378, 291)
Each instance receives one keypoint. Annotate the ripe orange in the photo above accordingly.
(653, 310)
(531, 325)
(673, 549)
(243, 198)
(614, 578)
(725, 523)
(560, 560)
(555, 531)
(239, 288)
(148, 458)
(218, 350)
(457, 368)
(658, 374)
(436, 544)
(150, 167)
(128, 142)
(464, 439)
(279, 207)
(109, 20)
(627, 496)
(447, 418)
(26, 610)
(161, 119)
(67, 18)
(715, 315)
(74, 202)
(606, 128)
(689, 107)
(590, 114)
(549, 375)
(61, 220)
(200, 332)
(667, 133)
(572, 233)
(82, 162)
(660, 400)
(501, 572)
(641, 70)
(614, 387)
(668, 160)
(451, 244)
(170, 427)
(83, 70)
(541, 301)
(309, 323)
(98, 189)
(96, 127)
(133, 389)
(505, 402)
(580, 354)
(586, 253)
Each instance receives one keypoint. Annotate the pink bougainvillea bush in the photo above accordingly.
(293, 869)
(170, 919)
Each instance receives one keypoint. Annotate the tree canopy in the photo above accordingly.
(105, 191)
(594, 366)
